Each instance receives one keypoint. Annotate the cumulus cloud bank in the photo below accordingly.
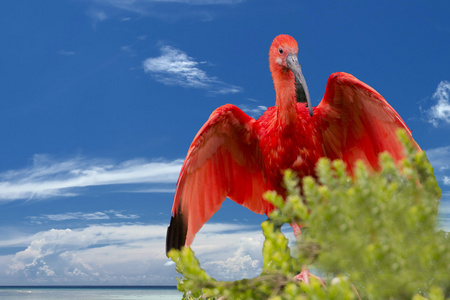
(125, 253)
(96, 254)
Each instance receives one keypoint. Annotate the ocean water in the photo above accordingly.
(89, 293)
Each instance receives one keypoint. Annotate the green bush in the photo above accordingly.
(374, 233)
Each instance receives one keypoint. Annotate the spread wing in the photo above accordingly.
(357, 123)
(224, 160)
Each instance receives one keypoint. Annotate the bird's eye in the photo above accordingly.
(280, 51)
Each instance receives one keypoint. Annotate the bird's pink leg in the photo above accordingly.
(297, 230)
(304, 275)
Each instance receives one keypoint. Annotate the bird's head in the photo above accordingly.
(283, 60)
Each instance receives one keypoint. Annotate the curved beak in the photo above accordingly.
(294, 66)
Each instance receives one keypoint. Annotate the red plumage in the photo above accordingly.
(236, 156)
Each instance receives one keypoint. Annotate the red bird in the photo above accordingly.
(236, 156)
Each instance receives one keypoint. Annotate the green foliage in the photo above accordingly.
(374, 232)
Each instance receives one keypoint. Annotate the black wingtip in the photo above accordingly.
(176, 232)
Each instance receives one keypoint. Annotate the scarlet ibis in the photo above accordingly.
(236, 156)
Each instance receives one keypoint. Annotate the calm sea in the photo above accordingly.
(90, 293)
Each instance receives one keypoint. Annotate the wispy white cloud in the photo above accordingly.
(66, 53)
(72, 216)
(100, 215)
(121, 253)
(170, 10)
(154, 190)
(144, 6)
(128, 50)
(175, 67)
(50, 178)
(440, 112)
(253, 111)
(97, 15)
(446, 180)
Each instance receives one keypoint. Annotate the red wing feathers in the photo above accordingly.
(224, 160)
(357, 123)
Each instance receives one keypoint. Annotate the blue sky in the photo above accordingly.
(100, 100)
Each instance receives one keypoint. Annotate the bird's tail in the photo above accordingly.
(176, 232)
